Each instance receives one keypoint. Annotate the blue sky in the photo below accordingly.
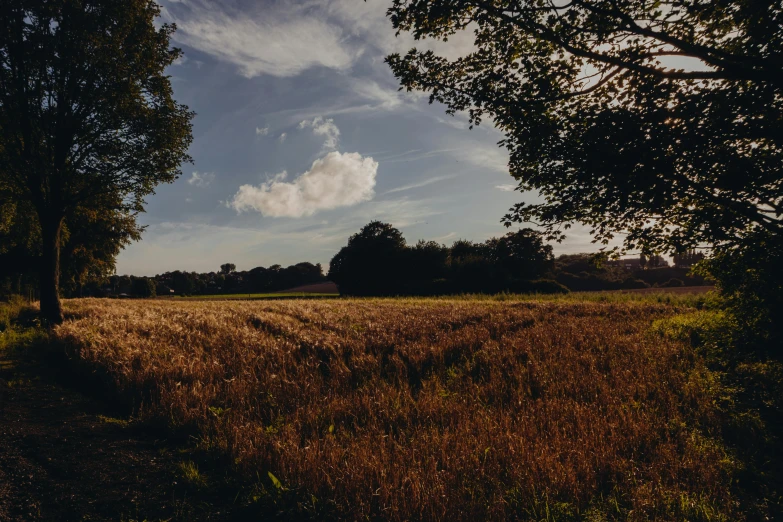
(301, 138)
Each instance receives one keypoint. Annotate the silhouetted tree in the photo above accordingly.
(371, 263)
(227, 268)
(522, 255)
(87, 118)
(426, 261)
(143, 287)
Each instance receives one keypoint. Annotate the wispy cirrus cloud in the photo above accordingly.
(419, 184)
(336, 180)
(507, 187)
(262, 131)
(284, 42)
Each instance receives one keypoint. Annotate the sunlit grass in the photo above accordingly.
(280, 295)
(467, 408)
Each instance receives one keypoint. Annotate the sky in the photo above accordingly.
(301, 137)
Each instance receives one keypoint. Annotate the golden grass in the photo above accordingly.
(428, 409)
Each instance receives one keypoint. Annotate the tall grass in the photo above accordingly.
(415, 409)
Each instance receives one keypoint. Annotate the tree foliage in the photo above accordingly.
(661, 120)
(87, 118)
(377, 261)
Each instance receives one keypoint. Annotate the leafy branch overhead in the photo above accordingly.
(662, 120)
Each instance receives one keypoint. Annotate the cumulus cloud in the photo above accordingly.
(201, 179)
(282, 137)
(336, 180)
(262, 131)
(282, 42)
(323, 127)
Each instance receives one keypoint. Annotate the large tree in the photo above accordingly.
(91, 239)
(372, 263)
(87, 116)
(661, 120)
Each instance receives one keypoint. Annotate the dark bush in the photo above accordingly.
(750, 280)
(673, 283)
(634, 284)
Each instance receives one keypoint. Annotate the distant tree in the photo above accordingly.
(602, 121)
(371, 263)
(87, 117)
(522, 254)
(228, 268)
(143, 287)
(426, 261)
(183, 282)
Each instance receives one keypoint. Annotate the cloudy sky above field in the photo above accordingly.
(301, 138)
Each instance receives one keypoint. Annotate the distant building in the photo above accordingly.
(640, 262)
(687, 259)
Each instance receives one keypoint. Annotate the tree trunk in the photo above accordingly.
(51, 309)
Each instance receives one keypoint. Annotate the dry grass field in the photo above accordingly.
(431, 409)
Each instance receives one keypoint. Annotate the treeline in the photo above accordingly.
(225, 281)
(593, 272)
(378, 261)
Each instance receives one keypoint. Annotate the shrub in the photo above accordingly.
(673, 283)
(750, 281)
(548, 286)
(633, 284)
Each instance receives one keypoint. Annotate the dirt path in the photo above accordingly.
(63, 457)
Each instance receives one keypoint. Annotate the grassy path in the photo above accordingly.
(64, 458)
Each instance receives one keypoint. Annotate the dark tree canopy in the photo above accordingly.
(660, 119)
(87, 117)
(371, 263)
(377, 261)
(91, 240)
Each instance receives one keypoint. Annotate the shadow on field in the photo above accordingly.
(68, 451)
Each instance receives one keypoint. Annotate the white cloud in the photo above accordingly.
(282, 137)
(277, 42)
(420, 183)
(486, 156)
(201, 179)
(381, 97)
(443, 239)
(262, 131)
(325, 128)
(336, 180)
(508, 187)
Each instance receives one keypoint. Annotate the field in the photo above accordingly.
(396, 409)
(276, 295)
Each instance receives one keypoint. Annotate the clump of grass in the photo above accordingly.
(413, 409)
(700, 328)
(189, 472)
(11, 311)
(114, 421)
(19, 326)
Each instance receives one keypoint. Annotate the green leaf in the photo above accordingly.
(275, 481)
